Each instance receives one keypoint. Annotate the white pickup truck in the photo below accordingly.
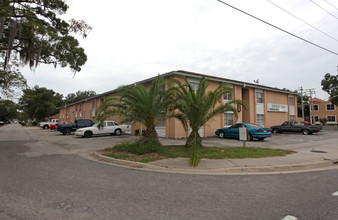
(46, 124)
(109, 127)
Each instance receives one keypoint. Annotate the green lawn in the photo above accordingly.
(127, 151)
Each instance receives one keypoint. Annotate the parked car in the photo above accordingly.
(66, 129)
(108, 127)
(46, 124)
(53, 126)
(255, 131)
(293, 126)
(2, 123)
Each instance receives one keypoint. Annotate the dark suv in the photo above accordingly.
(66, 129)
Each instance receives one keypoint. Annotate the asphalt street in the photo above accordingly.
(42, 179)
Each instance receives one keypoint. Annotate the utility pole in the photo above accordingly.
(312, 91)
(301, 95)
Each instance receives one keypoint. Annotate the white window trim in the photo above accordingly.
(314, 108)
(315, 118)
(260, 91)
(335, 118)
(292, 103)
(94, 107)
(334, 107)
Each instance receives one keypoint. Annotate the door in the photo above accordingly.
(233, 131)
(109, 127)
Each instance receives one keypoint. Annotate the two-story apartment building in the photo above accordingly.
(267, 106)
(324, 109)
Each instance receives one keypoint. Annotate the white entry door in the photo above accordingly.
(161, 131)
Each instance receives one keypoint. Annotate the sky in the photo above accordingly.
(134, 40)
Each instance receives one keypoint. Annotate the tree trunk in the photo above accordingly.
(191, 140)
(194, 142)
(150, 134)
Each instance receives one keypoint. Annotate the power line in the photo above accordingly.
(278, 28)
(331, 4)
(323, 9)
(302, 20)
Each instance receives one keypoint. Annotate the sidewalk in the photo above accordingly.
(313, 152)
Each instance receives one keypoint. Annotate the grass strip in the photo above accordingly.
(126, 151)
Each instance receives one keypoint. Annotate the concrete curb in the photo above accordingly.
(273, 169)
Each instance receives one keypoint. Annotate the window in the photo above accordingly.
(228, 118)
(80, 111)
(260, 119)
(259, 97)
(292, 101)
(315, 107)
(194, 84)
(316, 119)
(330, 107)
(94, 108)
(292, 118)
(331, 118)
(110, 123)
(227, 97)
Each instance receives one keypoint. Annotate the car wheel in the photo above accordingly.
(221, 134)
(88, 134)
(250, 137)
(118, 132)
(66, 131)
(306, 132)
(261, 139)
(275, 131)
(45, 127)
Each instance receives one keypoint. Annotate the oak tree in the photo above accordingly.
(330, 85)
(39, 103)
(32, 32)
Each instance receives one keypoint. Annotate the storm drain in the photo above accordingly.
(319, 151)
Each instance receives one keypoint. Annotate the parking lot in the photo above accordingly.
(291, 141)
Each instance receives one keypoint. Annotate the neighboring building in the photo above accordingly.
(267, 106)
(324, 109)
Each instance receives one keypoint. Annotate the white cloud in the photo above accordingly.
(134, 40)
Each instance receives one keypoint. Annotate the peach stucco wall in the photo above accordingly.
(323, 113)
(174, 128)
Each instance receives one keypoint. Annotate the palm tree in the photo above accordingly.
(136, 103)
(196, 108)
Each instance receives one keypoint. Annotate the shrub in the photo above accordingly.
(34, 123)
(139, 147)
(323, 121)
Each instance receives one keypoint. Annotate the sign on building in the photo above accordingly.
(277, 108)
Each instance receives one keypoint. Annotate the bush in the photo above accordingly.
(34, 123)
(140, 147)
(323, 121)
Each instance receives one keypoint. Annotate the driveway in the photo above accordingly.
(289, 141)
(313, 152)
(42, 177)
